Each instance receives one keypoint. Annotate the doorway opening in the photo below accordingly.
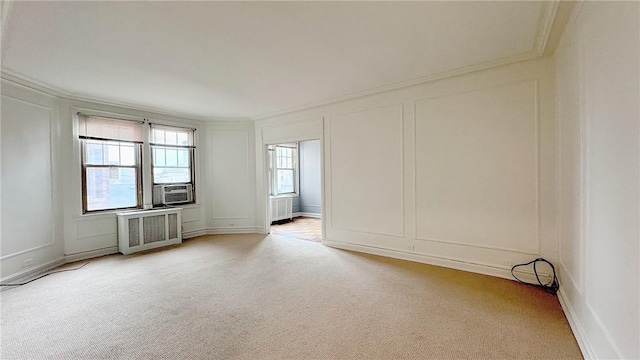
(295, 189)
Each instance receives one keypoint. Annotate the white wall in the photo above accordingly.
(598, 80)
(277, 131)
(230, 176)
(88, 235)
(459, 172)
(42, 217)
(31, 235)
(310, 178)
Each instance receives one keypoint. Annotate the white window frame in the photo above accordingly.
(85, 165)
(273, 168)
(192, 154)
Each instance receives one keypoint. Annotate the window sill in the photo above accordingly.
(112, 213)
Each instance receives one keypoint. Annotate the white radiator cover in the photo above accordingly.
(281, 207)
(148, 229)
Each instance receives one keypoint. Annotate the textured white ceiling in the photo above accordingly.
(243, 59)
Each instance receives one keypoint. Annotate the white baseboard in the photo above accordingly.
(307, 214)
(234, 230)
(485, 269)
(91, 254)
(223, 230)
(193, 233)
(40, 269)
(576, 326)
(33, 272)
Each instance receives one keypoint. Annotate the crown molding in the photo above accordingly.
(23, 81)
(545, 24)
(571, 22)
(5, 9)
(42, 87)
(407, 83)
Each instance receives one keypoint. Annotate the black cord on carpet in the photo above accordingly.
(551, 287)
(47, 274)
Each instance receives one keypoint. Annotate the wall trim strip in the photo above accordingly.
(576, 326)
(478, 268)
(33, 272)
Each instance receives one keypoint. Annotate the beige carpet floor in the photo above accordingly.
(257, 297)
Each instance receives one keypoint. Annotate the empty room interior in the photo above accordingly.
(320, 180)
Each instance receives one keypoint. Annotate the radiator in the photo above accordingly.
(149, 229)
(281, 208)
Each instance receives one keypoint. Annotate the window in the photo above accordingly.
(283, 164)
(111, 160)
(172, 152)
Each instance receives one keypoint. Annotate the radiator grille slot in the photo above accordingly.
(134, 232)
(153, 228)
(173, 225)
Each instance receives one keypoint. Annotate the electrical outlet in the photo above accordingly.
(411, 247)
(27, 263)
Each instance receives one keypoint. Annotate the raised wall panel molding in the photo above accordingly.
(87, 227)
(232, 190)
(528, 96)
(52, 181)
(4, 257)
(381, 146)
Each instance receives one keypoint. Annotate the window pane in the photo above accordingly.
(111, 188)
(172, 157)
(127, 155)
(171, 175)
(171, 138)
(285, 181)
(157, 136)
(183, 138)
(183, 158)
(94, 153)
(111, 154)
(159, 158)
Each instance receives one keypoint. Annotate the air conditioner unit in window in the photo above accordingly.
(172, 194)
